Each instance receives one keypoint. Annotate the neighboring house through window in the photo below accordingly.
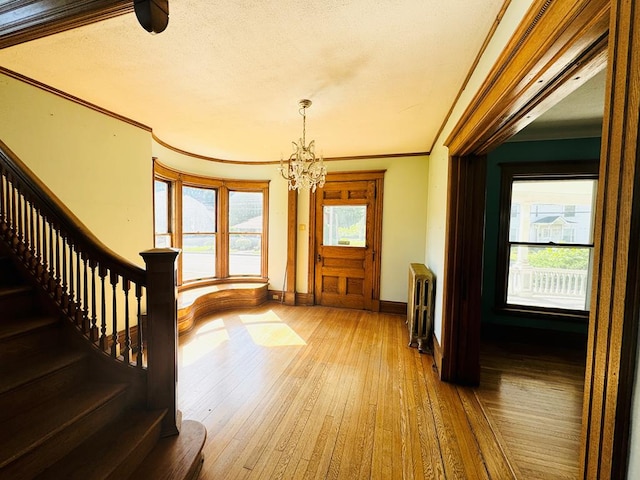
(546, 238)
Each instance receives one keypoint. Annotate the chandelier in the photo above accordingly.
(303, 169)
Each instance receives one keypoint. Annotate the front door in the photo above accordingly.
(347, 233)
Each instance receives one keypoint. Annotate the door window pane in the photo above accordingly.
(345, 225)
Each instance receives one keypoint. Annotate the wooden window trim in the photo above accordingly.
(223, 187)
(573, 170)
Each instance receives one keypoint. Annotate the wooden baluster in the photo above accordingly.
(35, 219)
(104, 340)
(94, 334)
(79, 298)
(115, 346)
(71, 308)
(162, 354)
(52, 262)
(86, 323)
(19, 221)
(126, 353)
(56, 258)
(14, 211)
(64, 292)
(44, 277)
(3, 203)
(141, 332)
(28, 253)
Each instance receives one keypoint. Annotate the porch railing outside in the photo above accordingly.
(526, 281)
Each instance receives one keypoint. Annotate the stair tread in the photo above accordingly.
(176, 457)
(26, 431)
(15, 372)
(13, 289)
(102, 453)
(13, 327)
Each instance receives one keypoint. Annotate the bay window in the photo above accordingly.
(219, 224)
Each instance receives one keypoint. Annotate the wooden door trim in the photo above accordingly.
(292, 248)
(378, 177)
(615, 297)
(557, 47)
(556, 37)
(54, 16)
(462, 296)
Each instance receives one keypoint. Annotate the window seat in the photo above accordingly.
(196, 303)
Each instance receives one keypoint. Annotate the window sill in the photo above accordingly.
(221, 281)
(576, 316)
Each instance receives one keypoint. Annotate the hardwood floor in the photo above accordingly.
(315, 392)
(531, 391)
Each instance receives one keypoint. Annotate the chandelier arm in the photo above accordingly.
(303, 169)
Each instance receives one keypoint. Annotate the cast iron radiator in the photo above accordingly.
(420, 306)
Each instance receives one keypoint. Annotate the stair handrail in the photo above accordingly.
(69, 222)
(91, 285)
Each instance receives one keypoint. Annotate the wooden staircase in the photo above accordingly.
(56, 421)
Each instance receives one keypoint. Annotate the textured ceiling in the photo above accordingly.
(225, 78)
(577, 115)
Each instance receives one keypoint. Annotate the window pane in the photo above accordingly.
(198, 210)
(245, 254)
(163, 241)
(345, 225)
(198, 256)
(245, 212)
(557, 211)
(550, 277)
(161, 206)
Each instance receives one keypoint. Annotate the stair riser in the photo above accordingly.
(40, 390)
(32, 341)
(8, 274)
(20, 305)
(129, 464)
(60, 444)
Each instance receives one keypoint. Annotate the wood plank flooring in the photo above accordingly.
(315, 393)
(531, 391)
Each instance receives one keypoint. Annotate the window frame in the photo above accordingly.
(546, 171)
(169, 219)
(177, 180)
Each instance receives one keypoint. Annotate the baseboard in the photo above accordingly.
(395, 308)
(437, 354)
(304, 299)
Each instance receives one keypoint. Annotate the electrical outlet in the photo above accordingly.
(276, 296)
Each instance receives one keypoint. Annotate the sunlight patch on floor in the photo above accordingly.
(268, 330)
(203, 341)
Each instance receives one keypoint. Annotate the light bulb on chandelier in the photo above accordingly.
(303, 169)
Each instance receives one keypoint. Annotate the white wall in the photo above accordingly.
(403, 224)
(100, 167)
(439, 158)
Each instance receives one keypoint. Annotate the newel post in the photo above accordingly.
(162, 335)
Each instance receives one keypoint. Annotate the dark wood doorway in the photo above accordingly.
(346, 218)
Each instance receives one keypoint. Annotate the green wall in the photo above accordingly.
(518, 152)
